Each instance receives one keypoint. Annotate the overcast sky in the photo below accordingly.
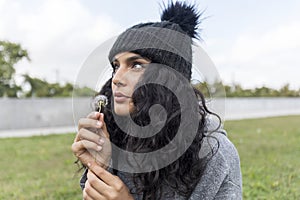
(253, 43)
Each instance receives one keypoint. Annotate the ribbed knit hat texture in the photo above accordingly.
(168, 42)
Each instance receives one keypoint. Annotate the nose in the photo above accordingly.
(118, 77)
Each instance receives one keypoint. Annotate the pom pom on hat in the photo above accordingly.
(184, 15)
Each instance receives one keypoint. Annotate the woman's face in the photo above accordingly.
(128, 68)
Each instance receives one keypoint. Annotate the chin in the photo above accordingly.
(122, 110)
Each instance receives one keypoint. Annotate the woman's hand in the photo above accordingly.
(102, 185)
(92, 142)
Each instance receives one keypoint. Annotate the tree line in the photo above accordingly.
(236, 90)
(11, 53)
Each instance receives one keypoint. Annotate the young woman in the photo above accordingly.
(154, 139)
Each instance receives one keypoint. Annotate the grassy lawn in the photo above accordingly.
(42, 167)
(38, 168)
(270, 156)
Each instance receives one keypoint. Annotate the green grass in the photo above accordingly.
(38, 168)
(42, 167)
(270, 156)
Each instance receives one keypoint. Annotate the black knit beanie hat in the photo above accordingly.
(168, 42)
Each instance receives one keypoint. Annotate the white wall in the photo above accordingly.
(40, 112)
(55, 112)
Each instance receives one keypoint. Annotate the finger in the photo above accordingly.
(91, 191)
(85, 134)
(81, 146)
(100, 186)
(77, 149)
(101, 119)
(93, 115)
(85, 156)
(85, 196)
(104, 175)
(87, 122)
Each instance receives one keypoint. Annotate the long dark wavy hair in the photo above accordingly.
(182, 175)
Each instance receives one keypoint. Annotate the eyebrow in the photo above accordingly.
(132, 58)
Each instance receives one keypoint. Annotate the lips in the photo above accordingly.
(120, 97)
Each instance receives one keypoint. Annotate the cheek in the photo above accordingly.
(133, 81)
(131, 106)
(112, 86)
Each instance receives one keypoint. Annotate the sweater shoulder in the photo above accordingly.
(221, 153)
(222, 175)
(218, 144)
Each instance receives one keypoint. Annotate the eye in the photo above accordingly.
(137, 66)
(115, 67)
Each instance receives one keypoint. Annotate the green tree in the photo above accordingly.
(38, 87)
(41, 88)
(83, 92)
(10, 54)
(203, 87)
(287, 92)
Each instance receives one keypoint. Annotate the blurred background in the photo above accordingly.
(255, 46)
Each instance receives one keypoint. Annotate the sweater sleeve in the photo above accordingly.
(83, 179)
(222, 176)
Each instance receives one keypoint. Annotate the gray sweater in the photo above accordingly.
(221, 179)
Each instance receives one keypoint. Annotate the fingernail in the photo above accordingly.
(89, 164)
(99, 148)
(98, 123)
(101, 141)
